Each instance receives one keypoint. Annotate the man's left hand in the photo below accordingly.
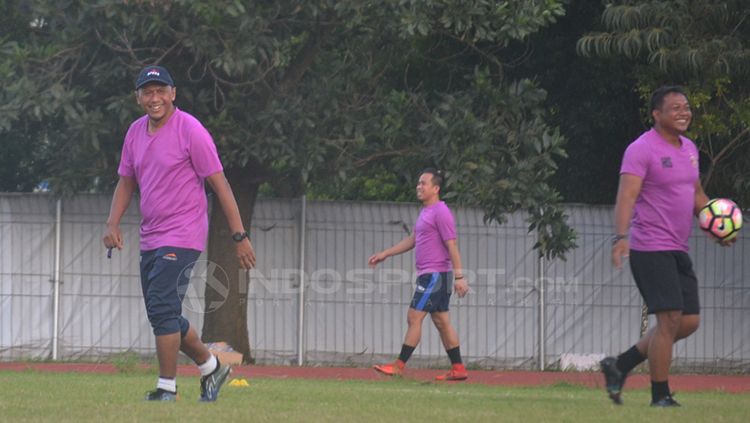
(245, 254)
(461, 287)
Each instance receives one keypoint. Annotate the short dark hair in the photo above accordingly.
(438, 176)
(657, 97)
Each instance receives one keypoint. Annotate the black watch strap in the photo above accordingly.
(239, 236)
(618, 237)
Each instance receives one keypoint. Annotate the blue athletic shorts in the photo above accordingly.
(165, 274)
(433, 292)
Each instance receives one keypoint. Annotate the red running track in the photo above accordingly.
(679, 383)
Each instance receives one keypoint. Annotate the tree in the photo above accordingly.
(593, 101)
(19, 159)
(705, 46)
(292, 92)
(489, 132)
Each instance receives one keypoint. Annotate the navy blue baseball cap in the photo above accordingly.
(154, 74)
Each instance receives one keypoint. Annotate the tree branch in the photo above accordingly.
(381, 154)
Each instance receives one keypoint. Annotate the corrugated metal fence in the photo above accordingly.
(519, 309)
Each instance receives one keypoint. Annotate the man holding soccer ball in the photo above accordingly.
(659, 194)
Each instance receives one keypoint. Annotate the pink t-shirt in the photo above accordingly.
(434, 226)
(170, 167)
(663, 215)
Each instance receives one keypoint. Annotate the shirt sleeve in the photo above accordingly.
(635, 160)
(203, 152)
(126, 159)
(446, 224)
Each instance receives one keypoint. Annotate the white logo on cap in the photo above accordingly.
(153, 72)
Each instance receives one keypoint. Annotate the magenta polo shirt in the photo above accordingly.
(434, 226)
(170, 167)
(663, 214)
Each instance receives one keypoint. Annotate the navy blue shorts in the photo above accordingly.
(165, 274)
(666, 280)
(433, 292)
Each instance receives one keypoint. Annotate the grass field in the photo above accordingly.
(60, 397)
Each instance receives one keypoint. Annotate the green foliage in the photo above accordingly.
(509, 168)
(322, 95)
(692, 36)
(591, 100)
(496, 22)
(706, 47)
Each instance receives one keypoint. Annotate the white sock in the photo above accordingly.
(209, 366)
(167, 384)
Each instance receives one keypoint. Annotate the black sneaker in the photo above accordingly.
(667, 401)
(161, 395)
(211, 384)
(613, 378)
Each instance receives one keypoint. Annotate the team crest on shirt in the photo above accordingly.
(666, 162)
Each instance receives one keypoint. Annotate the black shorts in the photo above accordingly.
(666, 280)
(433, 292)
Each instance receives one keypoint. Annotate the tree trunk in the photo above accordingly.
(226, 296)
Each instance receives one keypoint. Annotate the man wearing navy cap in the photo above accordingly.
(168, 154)
(154, 74)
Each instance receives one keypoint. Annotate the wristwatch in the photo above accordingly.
(239, 236)
(618, 237)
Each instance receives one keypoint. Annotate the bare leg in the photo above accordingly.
(660, 344)
(414, 319)
(688, 325)
(167, 347)
(194, 348)
(448, 333)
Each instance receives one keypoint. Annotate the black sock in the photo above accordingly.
(659, 390)
(629, 359)
(406, 351)
(455, 355)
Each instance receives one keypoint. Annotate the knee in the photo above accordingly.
(439, 323)
(688, 326)
(165, 322)
(668, 323)
(162, 325)
(413, 320)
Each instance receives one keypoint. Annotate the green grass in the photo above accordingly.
(35, 396)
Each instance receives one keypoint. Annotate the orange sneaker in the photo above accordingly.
(391, 369)
(458, 372)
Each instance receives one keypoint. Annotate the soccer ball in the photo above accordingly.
(721, 218)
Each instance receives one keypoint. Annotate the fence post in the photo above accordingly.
(56, 281)
(542, 304)
(542, 318)
(301, 309)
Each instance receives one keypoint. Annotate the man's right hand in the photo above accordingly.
(620, 249)
(112, 237)
(376, 258)
(727, 242)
